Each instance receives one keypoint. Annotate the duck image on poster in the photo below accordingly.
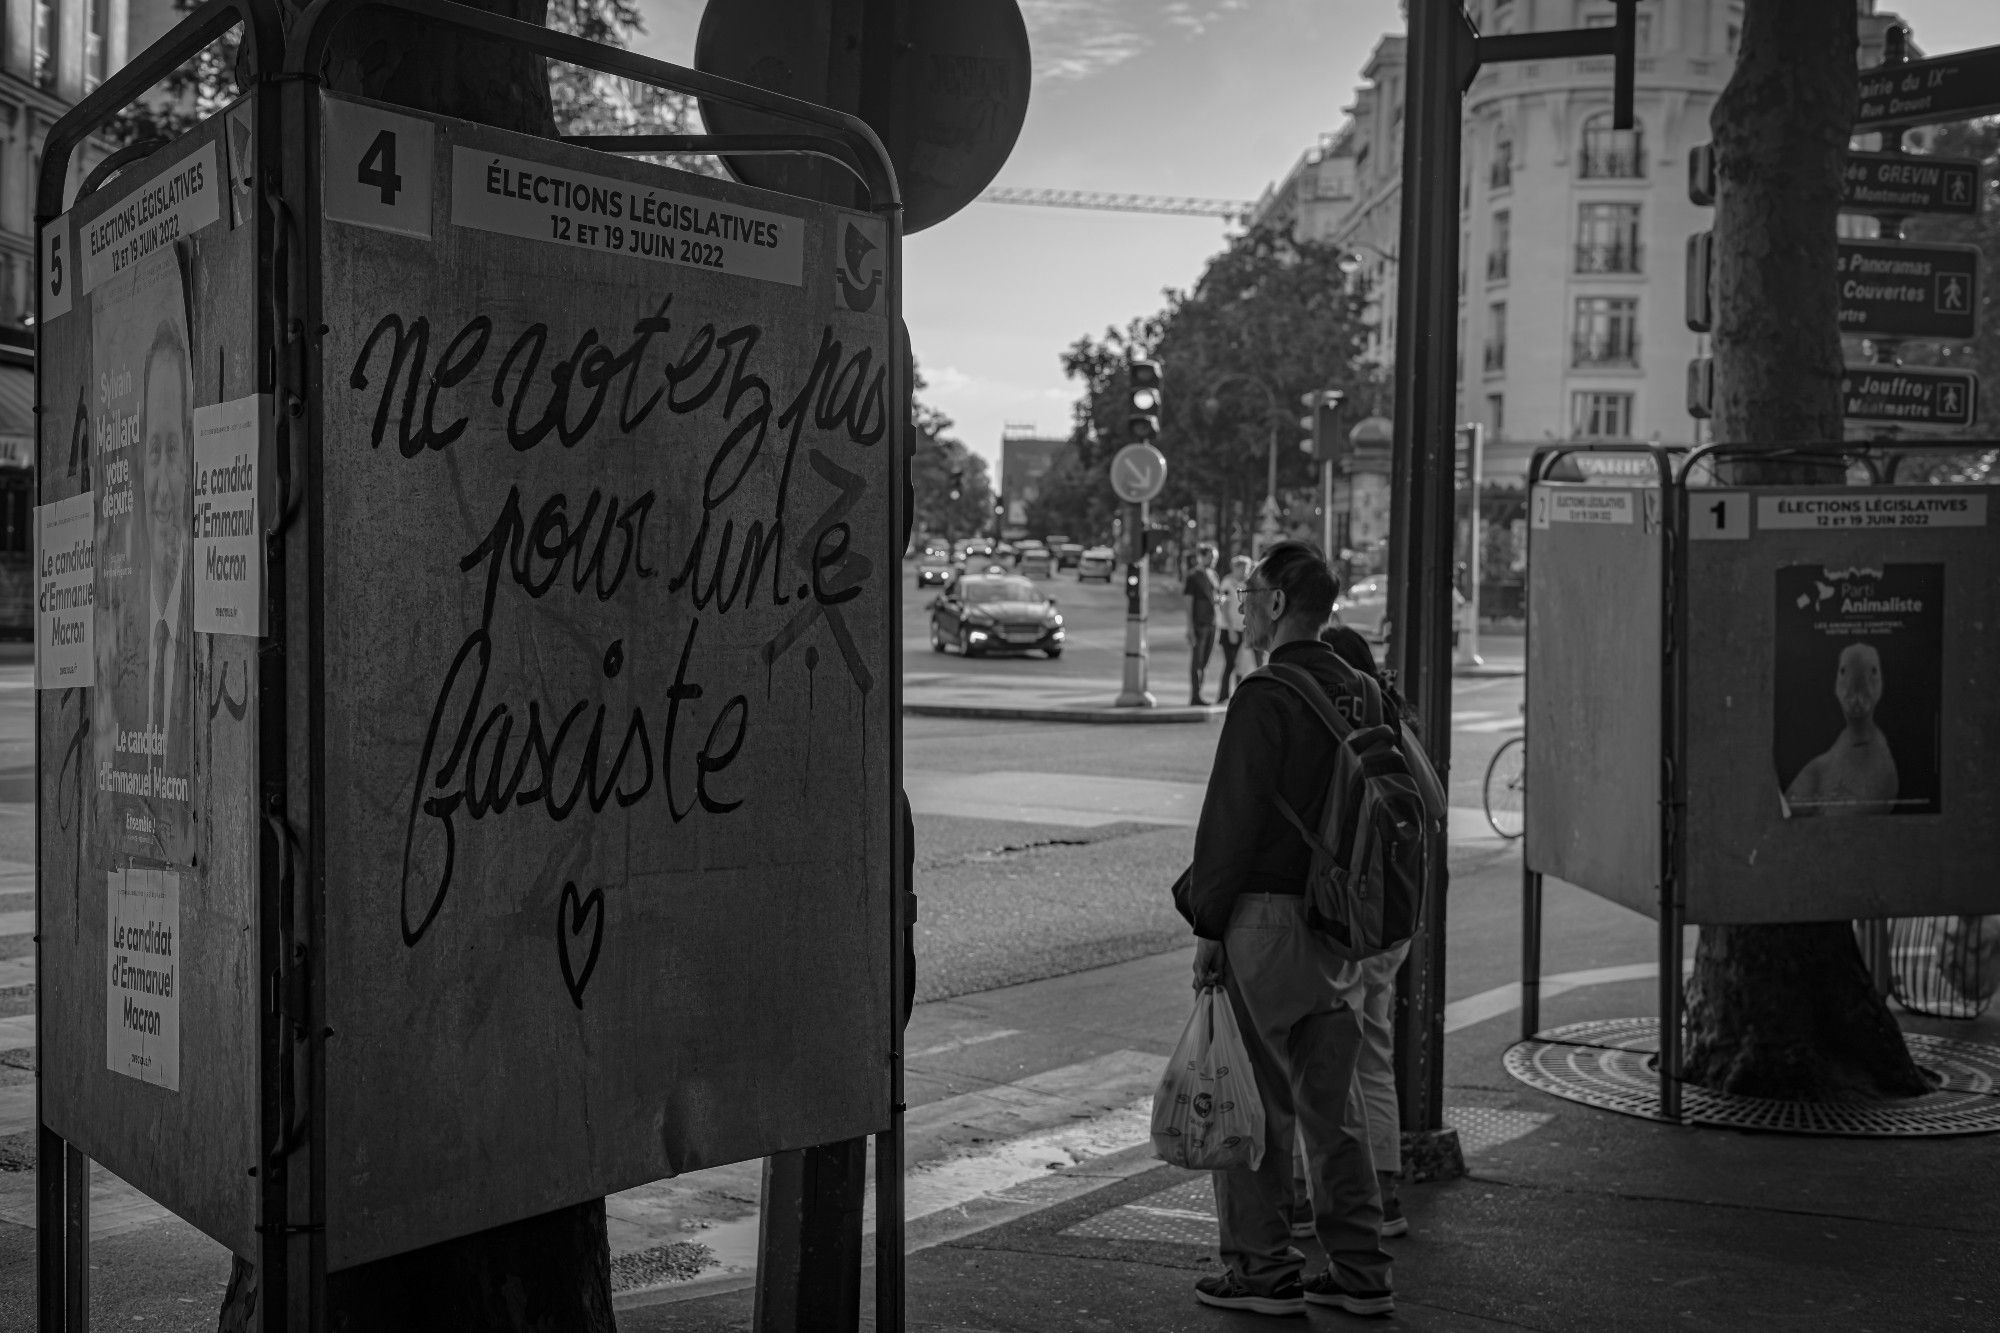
(1858, 678)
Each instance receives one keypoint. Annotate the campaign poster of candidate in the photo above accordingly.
(142, 423)
(1858, 679)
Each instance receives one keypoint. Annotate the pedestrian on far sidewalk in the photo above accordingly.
(1229, 621)
(1245, 897)
(1201, 589)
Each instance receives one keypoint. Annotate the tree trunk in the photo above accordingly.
(546, 1274)
(1785, 1011)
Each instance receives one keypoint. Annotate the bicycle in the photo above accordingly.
(1506, 792)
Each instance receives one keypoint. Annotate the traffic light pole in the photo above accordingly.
(1444, 53)
(1134, 693)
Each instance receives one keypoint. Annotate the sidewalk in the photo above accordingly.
(1074, 699)
(1570, 1219)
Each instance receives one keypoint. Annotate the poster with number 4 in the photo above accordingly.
(378, 168)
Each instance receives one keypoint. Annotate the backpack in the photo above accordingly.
(1382, 817)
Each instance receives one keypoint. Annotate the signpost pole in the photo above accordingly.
(1468, 654)
(1134, 693)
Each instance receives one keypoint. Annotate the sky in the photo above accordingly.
(1215, 98)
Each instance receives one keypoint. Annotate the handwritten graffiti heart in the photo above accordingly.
(573, 911)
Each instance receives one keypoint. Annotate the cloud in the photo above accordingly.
(1074, 39)
(947, 379)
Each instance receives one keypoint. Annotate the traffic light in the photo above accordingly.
(1142, 397)
(1320, 422)
(957, 482)
(1132, 589)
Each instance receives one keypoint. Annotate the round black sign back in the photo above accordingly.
(956, 97)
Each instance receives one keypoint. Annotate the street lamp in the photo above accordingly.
(1212, 405)
(1350, 263)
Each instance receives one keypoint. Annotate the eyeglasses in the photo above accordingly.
(1249, 588)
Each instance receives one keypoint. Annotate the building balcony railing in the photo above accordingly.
(1613, 163)
(1496, 358)
(1609, 257)
(1608, 353)
(1496, 266)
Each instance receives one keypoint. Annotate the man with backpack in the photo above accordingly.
(1282, 905)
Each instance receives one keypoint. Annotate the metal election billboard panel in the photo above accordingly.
(1839, 727)
(1895, 289)
(1908, 183)
(150, 424)
(1927, 92)
(610, 643)
(1909, 395)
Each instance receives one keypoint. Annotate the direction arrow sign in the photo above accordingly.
(1904, 183)
(1909, 396)
(1138, 471)
(1926, 92)
(1893, 289)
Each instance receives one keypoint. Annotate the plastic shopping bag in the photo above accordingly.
(1207, 1115)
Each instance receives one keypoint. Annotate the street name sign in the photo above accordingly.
(1894, 289)
(1138, 471)
(1897, 183)
(1906, 183)
(1909, 395)
(1903, 395)
(1960, 86)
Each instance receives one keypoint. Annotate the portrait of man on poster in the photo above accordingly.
(166, 428)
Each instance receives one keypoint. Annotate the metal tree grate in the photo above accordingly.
(1610, 1064)
(1945, 966)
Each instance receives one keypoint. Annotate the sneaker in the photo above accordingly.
(1302, 1222)
(1325, 1289)
(1225, 1291)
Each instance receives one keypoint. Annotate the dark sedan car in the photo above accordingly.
(995, 613)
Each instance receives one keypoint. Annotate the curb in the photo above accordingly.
(1065, 713)
(1490, 671)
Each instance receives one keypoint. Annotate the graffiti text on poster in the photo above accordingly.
(178, 202)
(143, 949)
(65, 569)
(228, 539)
(540, 202)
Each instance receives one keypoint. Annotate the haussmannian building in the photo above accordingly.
(1572, 320)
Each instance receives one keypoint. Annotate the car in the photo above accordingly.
(1364, 608)
(935, 546)
(1035, 562)
(969, 549)
(935, 567)
(1067, 553)
(1096, 562)
(993, 613)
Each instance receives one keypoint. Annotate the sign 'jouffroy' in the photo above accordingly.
(1909, 395)
(1928, 92)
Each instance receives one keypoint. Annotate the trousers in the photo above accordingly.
(1304, 1040)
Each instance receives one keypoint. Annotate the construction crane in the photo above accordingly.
(1233, 210)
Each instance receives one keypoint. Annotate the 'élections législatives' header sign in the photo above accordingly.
(540, 202)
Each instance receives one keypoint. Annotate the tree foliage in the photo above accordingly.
(1271, 319)
(584, 101)
(941, 464)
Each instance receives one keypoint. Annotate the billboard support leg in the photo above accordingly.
(62, 1206)
(1672, 1003)
(809, 1252)
(1531, 953)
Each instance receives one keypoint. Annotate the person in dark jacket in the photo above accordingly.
(1245, 898)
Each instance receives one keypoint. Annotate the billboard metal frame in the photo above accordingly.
(1678, 474)
(285, 70)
